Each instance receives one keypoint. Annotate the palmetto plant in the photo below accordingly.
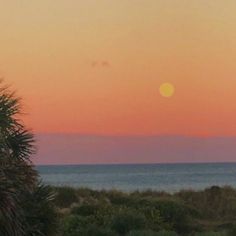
(18, 178)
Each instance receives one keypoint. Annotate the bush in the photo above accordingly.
(211, 234)
(127, 220)
(232, 231)
(99, 231)
(65, 197)
(85, 210)
(151, 233)
(149, 213)
(154, 220)
(40, 214)
(166, 233)
(176, 214)
(213, 203)
(74, 225)
(142, 233)
(119, 198)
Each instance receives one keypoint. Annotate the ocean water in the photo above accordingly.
(129, 177)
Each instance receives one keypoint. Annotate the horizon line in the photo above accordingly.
(133, 163)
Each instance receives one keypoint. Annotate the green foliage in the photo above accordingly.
(176, 214)
(74, 225)
(166, 233)
(25, 209)
(40, 215)
(71, 225)
(126, 220)
(85, 210)
(151, 233)
(142, 233)
(150, 213)
(65, 197)
(232, 230)
(213, 203)
(211, 234)
(119, 198)
(94, 230)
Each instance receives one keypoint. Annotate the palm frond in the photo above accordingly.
(25, 204)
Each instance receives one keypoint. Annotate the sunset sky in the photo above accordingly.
(95, 67)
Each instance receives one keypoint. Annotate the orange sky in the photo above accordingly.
(96, 66)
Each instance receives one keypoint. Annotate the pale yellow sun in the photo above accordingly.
(167, 90)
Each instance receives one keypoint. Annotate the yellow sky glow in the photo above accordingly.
(96, 66)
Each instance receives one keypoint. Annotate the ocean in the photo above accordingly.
(130, 177)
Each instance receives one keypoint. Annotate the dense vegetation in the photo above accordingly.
(87, 212)
(26, 208)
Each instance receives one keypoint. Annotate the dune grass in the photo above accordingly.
(211, 212)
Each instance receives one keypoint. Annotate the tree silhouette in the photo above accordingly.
(18, 178)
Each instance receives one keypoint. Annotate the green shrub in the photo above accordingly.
(114, 212)
(85, 210)
(94, 230)
(154, 220)
(126, 220)
(142, 233)
(119, 198)
(166, 233)
(74, 225)
(40, 213)
(175, 214)
(211, 234)
(232, 231)
(65, 196)
(213, 203)
(151, 233)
